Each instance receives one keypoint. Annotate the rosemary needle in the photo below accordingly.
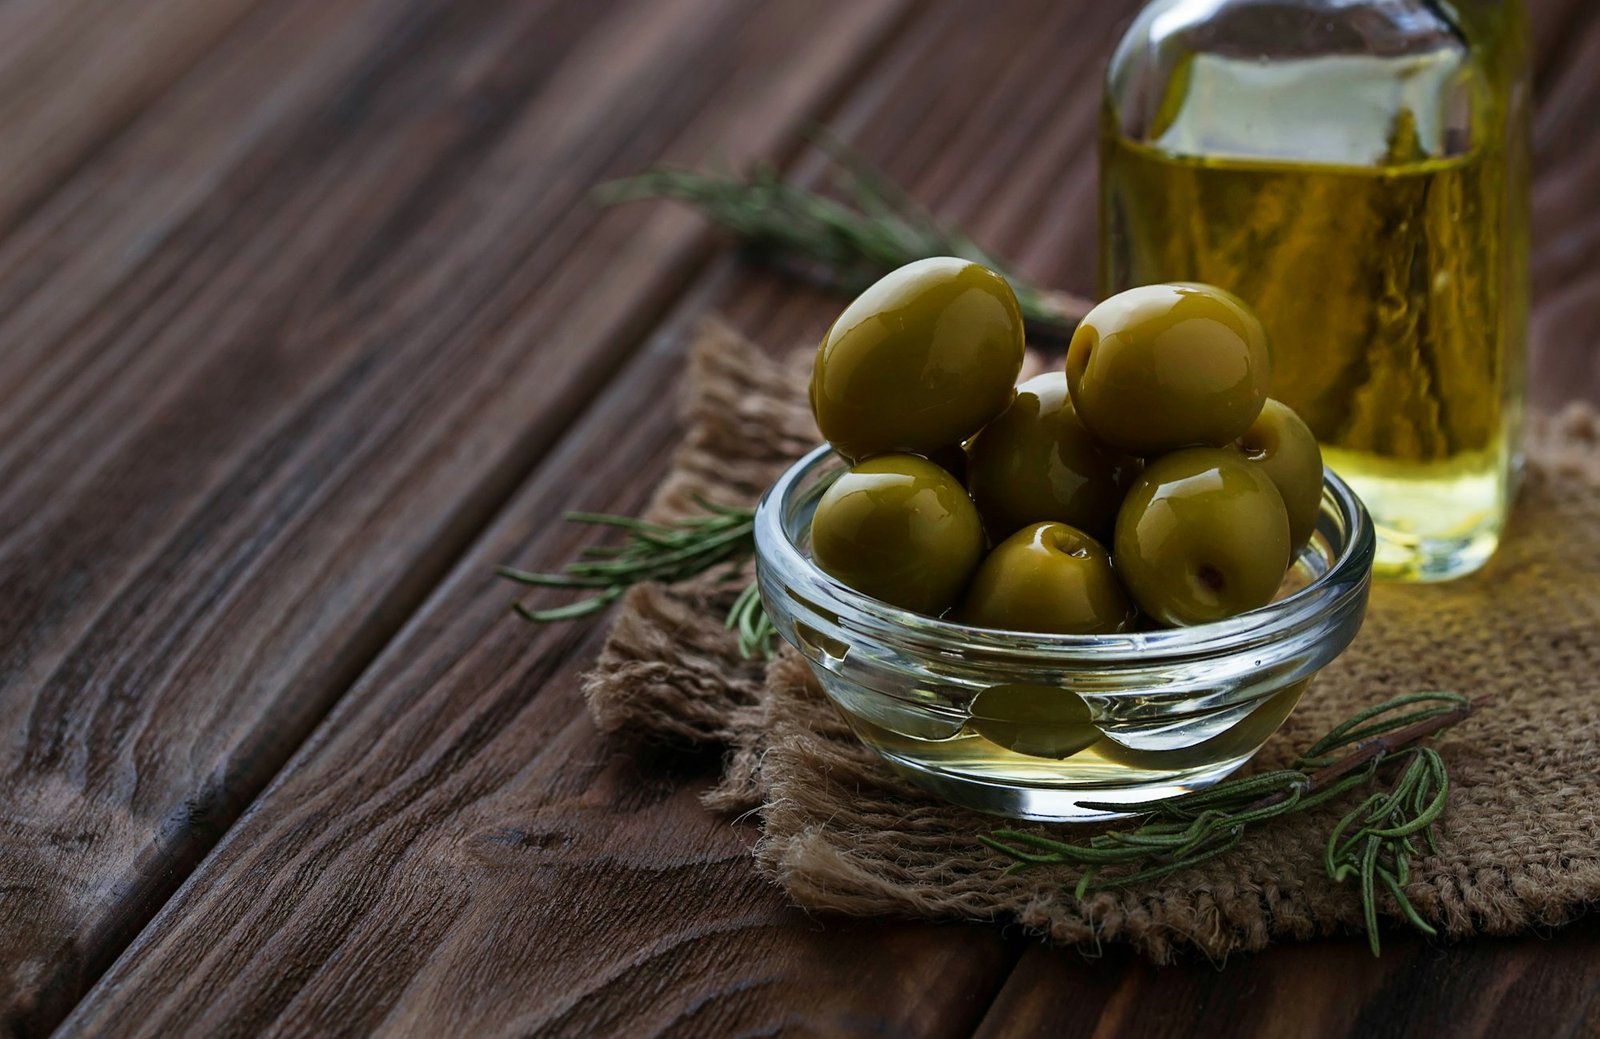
(1372, 844)
(663, 552)
(843, 244)
(749, 617)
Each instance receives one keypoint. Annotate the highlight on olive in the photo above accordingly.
(920, 361)
(1149, 482)
(1161, 367)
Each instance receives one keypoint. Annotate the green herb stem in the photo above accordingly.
(665, 552)
(842, 244)
(1372, 844)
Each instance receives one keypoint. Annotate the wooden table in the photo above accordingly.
(306, 322)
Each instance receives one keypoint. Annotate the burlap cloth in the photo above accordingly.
(1519, 847)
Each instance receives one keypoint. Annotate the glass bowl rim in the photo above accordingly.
(1337, 589)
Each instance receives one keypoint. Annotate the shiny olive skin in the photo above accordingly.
(900, 529)
(919, 362)
(1203, 535)
(1050, 578)
(1036, 462)
(1284, 448)
(1040, 721)
(1161, 367)
(1243, 737)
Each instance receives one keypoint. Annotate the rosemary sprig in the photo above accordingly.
(748, 615)
(841, 244)
(1372, 844)
(664, 552)
(844, 245)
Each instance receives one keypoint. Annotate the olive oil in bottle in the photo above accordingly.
(1357, 172)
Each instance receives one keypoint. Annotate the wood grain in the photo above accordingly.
(72, 72)
(306, 313)
(1484, 988)
(337, 339)
(1564, 343)
(456, 851)
(545, 880)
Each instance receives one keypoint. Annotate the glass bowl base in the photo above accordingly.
(1031, 725)
(1054, 804)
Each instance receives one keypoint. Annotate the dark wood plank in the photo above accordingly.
(1487, 988)
(337, 332)
(457, 849)
(1565, 334)
(73, 72)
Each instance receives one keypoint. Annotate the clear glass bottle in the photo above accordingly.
(1358, 171)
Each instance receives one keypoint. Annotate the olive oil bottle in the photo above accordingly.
(1357, 170)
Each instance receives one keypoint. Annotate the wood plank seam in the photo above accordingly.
(210, 820)
(539, 667)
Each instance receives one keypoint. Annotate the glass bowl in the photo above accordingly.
(1059, 727)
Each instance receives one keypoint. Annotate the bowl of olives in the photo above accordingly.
(1109, 584)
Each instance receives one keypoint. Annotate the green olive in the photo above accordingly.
(1284, 448)
(1040, 721)
(1166, 366)
(920, 361)
(1037, 462)
(1203, 535)
(1243, 737)
(900, 529)
(1048, 577)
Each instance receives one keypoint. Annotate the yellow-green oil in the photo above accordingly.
(1395, 295)
(1027, 738)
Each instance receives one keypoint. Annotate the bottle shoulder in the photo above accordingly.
(1289, 29)
(1347, 82)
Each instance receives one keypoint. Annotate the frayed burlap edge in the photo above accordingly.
(670, 669)
(841, 832)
